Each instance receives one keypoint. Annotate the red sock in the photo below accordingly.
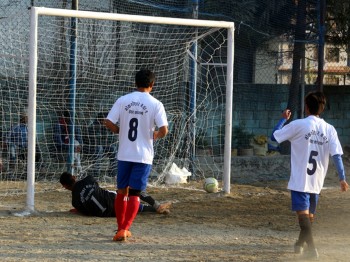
(120, 204)
(131, 211)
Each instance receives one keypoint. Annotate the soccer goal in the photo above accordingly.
(83, 61)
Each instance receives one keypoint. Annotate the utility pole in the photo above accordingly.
(321, 42)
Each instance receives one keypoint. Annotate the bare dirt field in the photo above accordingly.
(253, 223)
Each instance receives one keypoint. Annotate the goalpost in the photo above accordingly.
(111, 48)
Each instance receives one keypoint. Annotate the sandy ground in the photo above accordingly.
(253, 223)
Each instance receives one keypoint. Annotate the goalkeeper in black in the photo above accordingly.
(88, 198)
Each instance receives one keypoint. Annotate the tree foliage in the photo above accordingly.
(338, 22)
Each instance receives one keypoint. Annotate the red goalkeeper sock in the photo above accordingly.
(120, 204)
(131, 211)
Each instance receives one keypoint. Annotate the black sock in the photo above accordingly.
(149, 200)
(305, 231)
(147, 208)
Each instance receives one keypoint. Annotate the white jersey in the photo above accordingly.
(312, 141)
(137, 114)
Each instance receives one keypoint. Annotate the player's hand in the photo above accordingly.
(155, 135)
(344, 186)
(286, 114)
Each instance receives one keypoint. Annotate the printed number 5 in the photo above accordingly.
(313, 162)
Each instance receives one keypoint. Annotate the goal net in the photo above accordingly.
(81, 62)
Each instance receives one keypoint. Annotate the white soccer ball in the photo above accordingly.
(211, 185)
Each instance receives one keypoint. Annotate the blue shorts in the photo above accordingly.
(134, 175)
(304, 201)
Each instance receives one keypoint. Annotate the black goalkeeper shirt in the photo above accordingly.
(91, 200)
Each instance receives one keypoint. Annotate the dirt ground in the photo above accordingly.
(253, 223)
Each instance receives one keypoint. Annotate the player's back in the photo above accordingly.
(314, 140)
(138, 113)
(89, 199)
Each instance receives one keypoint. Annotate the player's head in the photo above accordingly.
(65, 113)
(23, 118)
(67, 180)
(144, 78)
(315, 102)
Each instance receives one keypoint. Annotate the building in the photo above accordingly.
(274, 61)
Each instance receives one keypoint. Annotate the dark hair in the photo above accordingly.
(144, 78)
(67, 179)
(316, 102)
(64, 113)
(23, 118)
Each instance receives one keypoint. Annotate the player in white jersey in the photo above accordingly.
(313, 140)
(135, 116)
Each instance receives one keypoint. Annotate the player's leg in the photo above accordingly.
(132, 208)
(313, 205)
(305, 235)
(121, 201)
(160, 208)
(301, 205)
(120, 206)
(77, 157)
(138, 182)
(146, 208)
(312, 252)
(13, 156)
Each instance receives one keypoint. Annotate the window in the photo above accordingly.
(332, 54)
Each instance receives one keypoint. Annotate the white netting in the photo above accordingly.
(108, 55)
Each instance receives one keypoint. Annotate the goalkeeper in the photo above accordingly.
(90, 199)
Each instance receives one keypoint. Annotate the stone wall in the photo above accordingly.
(260, 107)
(259, 169)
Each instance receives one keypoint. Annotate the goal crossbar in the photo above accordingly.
(33, 62)
(130, 18)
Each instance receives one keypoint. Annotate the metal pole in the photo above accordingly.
(33, 64)
(72, 88)
(228, 113)
(193, 92)
(321, 43)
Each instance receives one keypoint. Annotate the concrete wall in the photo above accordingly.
(260, 107)
(260, 169)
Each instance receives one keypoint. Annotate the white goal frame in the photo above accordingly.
(33, 62)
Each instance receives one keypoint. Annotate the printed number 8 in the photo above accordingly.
(133, 124)
(313, 162)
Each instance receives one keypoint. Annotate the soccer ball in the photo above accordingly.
(211, 185)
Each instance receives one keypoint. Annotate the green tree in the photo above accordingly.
(338, 23)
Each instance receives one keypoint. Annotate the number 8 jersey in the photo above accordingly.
(313, 140)
(137, 114)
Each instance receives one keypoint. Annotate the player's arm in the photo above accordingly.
(338, 162)
(286, 114)
(111, 126)
(162, 132)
